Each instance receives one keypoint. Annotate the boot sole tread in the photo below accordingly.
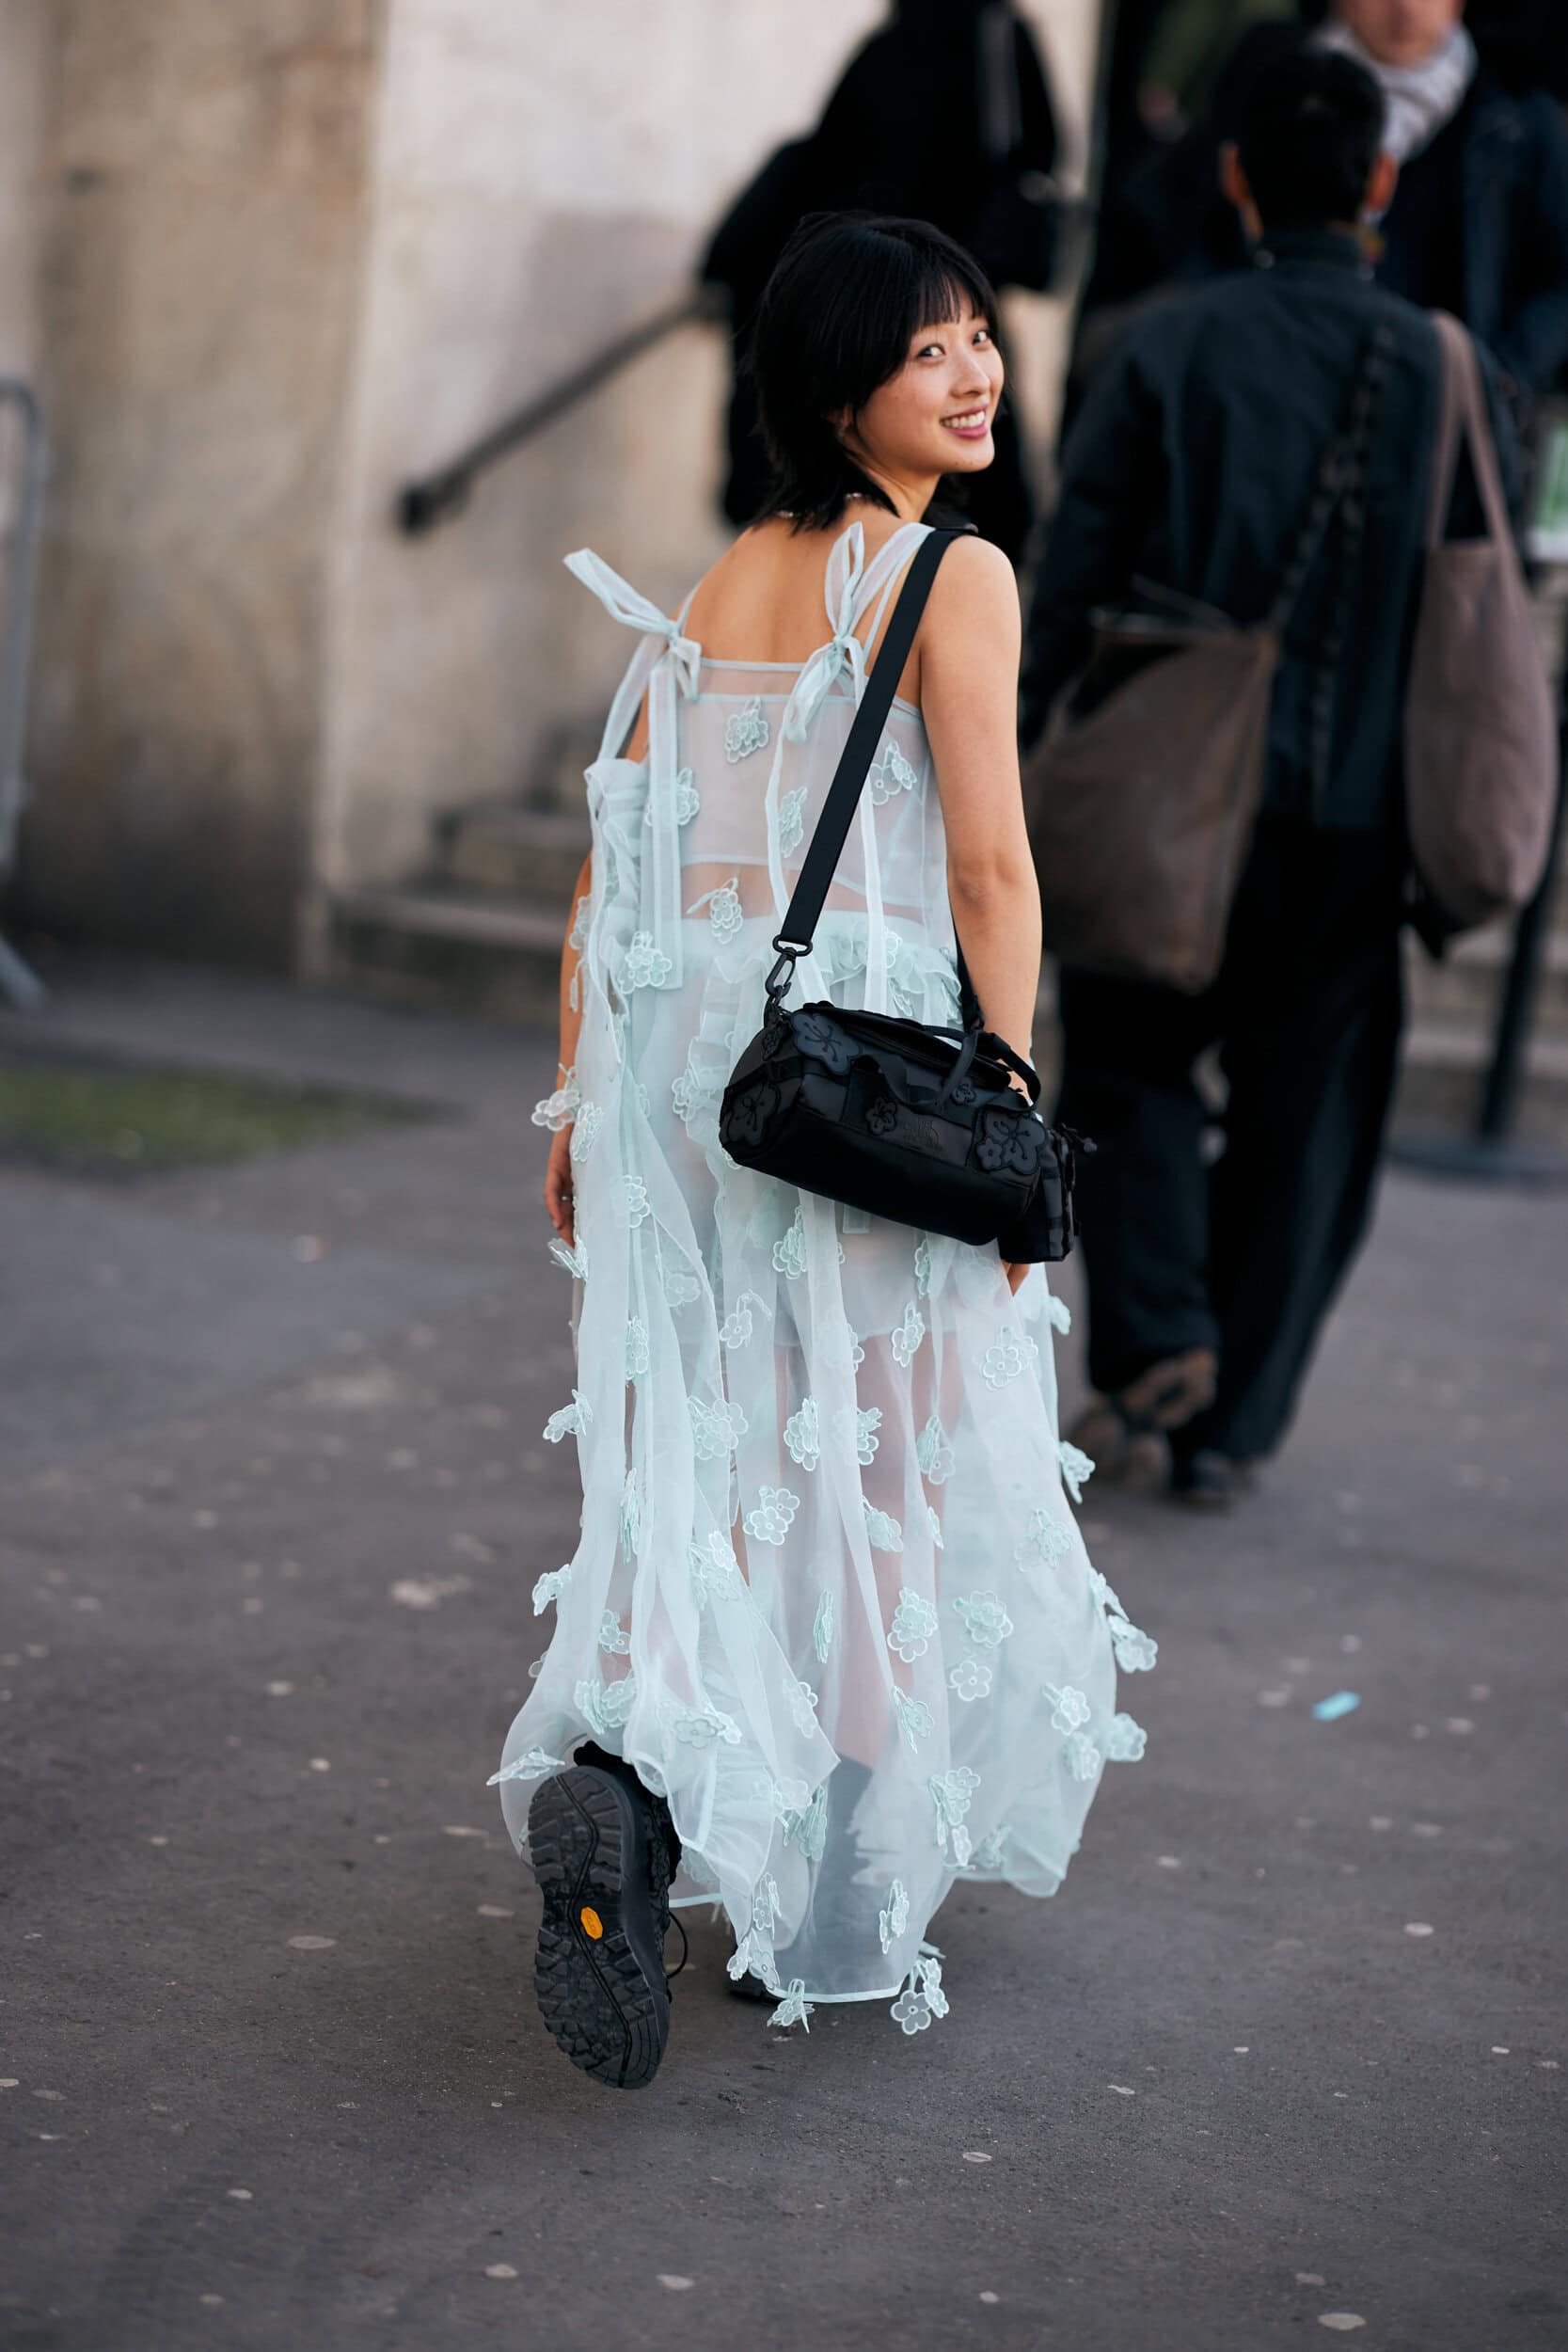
(596, 1997)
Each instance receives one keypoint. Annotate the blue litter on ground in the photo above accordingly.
(1342, 1703)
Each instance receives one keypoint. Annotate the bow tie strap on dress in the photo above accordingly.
(666, 667)
(882, 577)
(850, 590)
(840, 594)
(841, 589)
(850, 585)
(847, 588)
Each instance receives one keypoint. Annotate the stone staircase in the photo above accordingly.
(481, 929)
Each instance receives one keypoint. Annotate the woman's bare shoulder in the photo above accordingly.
(974, 604)
(976, 579)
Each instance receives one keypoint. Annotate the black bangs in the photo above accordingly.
(850, 293)
(938, 295)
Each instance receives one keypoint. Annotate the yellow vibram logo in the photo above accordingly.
(592, 1923)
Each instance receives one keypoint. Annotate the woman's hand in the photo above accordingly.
(1017, 1275)
(557, 1186)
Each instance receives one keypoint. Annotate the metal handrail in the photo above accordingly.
(18, 984)
(437, 497)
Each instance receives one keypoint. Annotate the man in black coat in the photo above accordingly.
(1479, 225)
(1479, 222)
(1192, 467)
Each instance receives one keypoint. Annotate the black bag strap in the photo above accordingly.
(1352, 521)
(1338, 468)
(832, 828)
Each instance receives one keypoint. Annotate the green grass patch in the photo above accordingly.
(99, 1118)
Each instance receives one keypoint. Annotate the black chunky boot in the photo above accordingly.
(603, 1850)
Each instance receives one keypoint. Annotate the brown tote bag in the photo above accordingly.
(1481, 732)
(1142, 811)
(1143, 801)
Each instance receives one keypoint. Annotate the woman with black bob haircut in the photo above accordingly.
(836, 324)
(828, 1639)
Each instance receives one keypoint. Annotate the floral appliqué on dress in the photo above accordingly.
(792, 819)
(643, 966)
(774, 1515)
(890, 773)
(746, 731)
(914, 1621)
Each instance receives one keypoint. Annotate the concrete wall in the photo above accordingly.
(539, 187)
(205, 171)
(24, 108)
(290, 253)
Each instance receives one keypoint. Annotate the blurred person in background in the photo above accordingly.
(1476, 226)
(1192, 45)
(947, 116)
(1166, 222)
(1192, 467)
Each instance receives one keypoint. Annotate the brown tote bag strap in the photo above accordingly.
(1463, 417)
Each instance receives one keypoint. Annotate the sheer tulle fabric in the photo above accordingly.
(828, 1596)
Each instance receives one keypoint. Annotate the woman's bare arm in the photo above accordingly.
(969, 646)
(571, 962)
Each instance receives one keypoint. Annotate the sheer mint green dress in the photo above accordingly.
(828, 1596)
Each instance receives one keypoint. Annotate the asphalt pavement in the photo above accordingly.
(1285, 2054)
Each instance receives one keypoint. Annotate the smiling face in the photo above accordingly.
(935, 415)
(1400, 32)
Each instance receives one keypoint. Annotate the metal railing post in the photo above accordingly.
(1499, 1105)
(1492, 1150)
(18, 984)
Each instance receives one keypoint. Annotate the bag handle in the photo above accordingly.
(832, 828)
(1463, 417)
(1444, 455)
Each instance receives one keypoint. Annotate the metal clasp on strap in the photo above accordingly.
(773, 987)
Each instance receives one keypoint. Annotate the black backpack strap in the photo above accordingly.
(832, 828)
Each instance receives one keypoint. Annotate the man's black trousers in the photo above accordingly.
(1242, 1254)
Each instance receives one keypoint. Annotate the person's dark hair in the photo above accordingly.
(1308, 130)
(835, 321)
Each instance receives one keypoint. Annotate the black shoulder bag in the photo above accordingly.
(920, 1125)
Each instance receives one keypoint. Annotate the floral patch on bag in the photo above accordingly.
(823, 1039)
(1009, 1141)
(749, 1115)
